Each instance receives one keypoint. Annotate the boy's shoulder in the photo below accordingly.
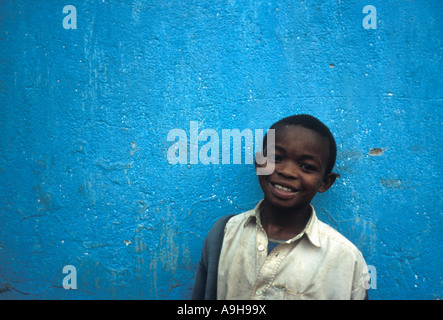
(240, 219)
(331, 238)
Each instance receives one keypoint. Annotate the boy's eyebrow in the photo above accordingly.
(276, 148)
(310, 157)
(279, 148)
(303, 156)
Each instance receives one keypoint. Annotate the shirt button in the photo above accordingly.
(261, 248)
(258, 292)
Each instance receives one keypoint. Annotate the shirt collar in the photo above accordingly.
(311, 230)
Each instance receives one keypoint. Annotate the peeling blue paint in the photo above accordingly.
(84, 176)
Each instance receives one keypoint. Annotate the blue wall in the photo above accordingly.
(85, 114)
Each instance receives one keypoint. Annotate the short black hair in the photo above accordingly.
(310, 122)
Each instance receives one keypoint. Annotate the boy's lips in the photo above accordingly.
(281, 191)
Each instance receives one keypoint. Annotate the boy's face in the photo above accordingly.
(301, 157)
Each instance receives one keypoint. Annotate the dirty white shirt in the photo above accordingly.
(318, 263)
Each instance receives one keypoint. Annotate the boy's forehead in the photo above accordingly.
(287, 135)
(296, 132)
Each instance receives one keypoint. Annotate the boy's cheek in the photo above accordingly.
(264, 183)
(266, 168)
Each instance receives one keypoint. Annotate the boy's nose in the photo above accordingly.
(288, 171)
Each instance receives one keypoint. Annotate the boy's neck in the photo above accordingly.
(284, 224)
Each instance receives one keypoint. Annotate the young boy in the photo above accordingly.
(280, 250)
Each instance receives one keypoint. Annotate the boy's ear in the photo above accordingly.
(328, 181)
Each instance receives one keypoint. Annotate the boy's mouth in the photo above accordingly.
(283, 191)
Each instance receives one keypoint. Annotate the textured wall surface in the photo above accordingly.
(85, 113)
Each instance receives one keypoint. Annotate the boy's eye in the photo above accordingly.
(308, 167)
(274, 157)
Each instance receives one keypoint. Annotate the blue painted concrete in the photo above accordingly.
(85, 113)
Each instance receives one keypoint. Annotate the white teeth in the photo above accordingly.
(282, 188)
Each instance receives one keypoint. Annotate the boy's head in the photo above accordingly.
(303, 156)
(310, 122)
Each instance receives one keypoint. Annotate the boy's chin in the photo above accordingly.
(284, 203)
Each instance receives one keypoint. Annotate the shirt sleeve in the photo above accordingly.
(205, 283)
(199, 288)
(361, 280)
